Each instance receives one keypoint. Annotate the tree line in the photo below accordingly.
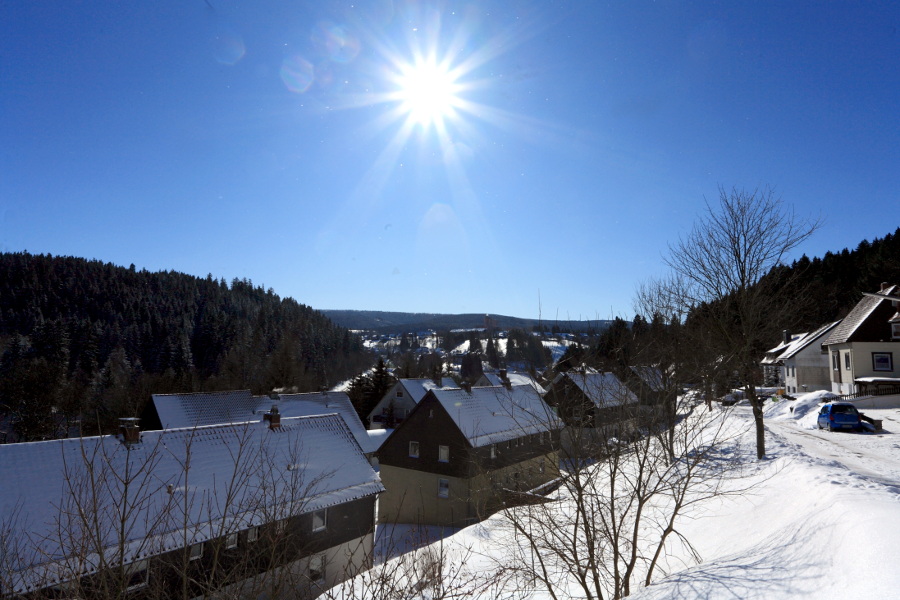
(90, 341)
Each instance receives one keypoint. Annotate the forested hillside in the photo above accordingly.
(91, 339)
(833, 284)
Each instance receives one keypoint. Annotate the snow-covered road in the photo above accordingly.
(875, 456)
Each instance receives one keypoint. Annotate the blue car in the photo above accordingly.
(839, 415)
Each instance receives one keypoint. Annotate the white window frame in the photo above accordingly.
(444, 454)
(493, 450)
(847, 361)
(195, 552)
(887, 358)
(414, 449)
(252, 534)
(317, 568)
(443, 490)
(231, 541)
(320, 520)
(135, 568)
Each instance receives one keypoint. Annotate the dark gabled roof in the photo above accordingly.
(805, 340)
(862, 311)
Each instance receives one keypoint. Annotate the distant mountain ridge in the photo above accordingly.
(389, 322)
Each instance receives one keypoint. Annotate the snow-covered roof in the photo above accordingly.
(183, 485)
(858, 315)
(773, 355)
(804, 340)
(489, 415)
(417, 388)
(604, 389)
(204, 408)
(652, 377)
(515, 379)
(215, 408)
(318, 403)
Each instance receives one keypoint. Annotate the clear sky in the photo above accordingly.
(499, 157)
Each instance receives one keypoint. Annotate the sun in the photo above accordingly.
(428, 92)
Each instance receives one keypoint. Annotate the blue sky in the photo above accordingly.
(273, 140)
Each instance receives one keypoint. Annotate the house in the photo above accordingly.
(168, 411)
(867, 342)
(773, 373)
(804, 364)
(462, 452)
(649, 383)
(399, 401)
(508, 378)
(267, 508)
(594, 407)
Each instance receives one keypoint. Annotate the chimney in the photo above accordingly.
(130, 429)
(504, 379)
(465, 385)
(884, 286)
(786, 336)
(273, 417)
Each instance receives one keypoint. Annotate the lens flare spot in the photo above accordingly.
(336, 42)
(228, 48)
(297, 73)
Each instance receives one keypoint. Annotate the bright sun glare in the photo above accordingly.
(428, 93)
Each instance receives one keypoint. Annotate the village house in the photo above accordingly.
(275, 507)
(399, 401)
(595, 407)
(508, 378)
(802, 363)
(864, 346)
(462, 452)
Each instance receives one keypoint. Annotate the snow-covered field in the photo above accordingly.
(822, 519)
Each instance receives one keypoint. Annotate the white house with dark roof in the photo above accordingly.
(461, 453)
(866, 343)
(805, 364)
(246, 506)
(399, 401)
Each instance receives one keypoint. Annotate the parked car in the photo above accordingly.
(839, 415)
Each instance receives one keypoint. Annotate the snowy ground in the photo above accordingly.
(823, 520)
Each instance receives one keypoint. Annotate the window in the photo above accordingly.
(252, 534)
(317, 567)
(196, 551)
(280, 526)
(443, 488)
(895, 331)
(414, 449)
(138, 575)
(847, 361)
(231, 541)
(493, 450)
(541, 438)
(320, 519)
(400, 393)
(882, 361)
(541, 465)
(835, 365)
(443, 453)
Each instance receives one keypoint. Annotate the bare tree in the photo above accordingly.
(608, 528)
(735, 296)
